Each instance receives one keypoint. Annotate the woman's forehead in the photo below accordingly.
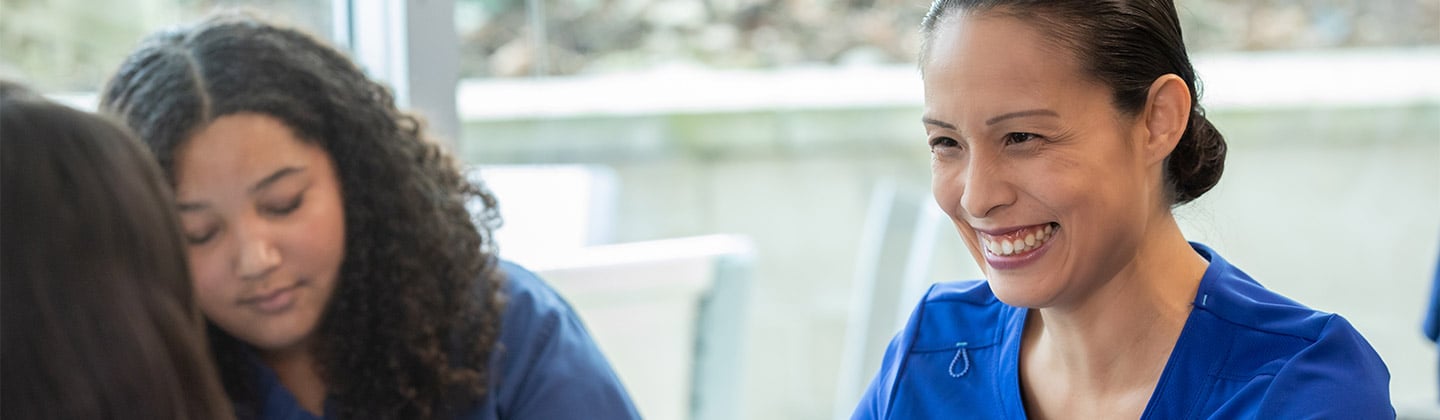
(239, 149)
(991, 64)
(998, 46)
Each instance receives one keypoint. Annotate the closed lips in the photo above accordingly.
(262, 297)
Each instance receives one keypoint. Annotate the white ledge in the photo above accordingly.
(1232, 80)
(1318, 78)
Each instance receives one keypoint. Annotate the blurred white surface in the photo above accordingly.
(550, 209)
(1361, 77)
(645, 303)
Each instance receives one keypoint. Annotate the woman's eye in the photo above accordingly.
(940, 142)
(1017, 138)
(287, 207)
(201, 238)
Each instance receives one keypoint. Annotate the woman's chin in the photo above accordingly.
(1021, 292)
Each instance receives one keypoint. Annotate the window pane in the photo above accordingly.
(1307, 24)
(499, 38)
(73, 45)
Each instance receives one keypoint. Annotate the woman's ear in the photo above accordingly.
(1166, 114)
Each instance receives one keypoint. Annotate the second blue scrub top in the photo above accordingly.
(547, 366)
(1245, 352)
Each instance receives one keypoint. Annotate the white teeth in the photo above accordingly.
(1007, 247)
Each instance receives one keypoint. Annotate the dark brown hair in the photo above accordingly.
(1125, 44)
(415, 315)
(98, 316)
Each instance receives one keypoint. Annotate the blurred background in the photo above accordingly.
(735, 193)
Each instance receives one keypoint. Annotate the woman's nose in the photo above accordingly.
(986, 188)
(258, 255)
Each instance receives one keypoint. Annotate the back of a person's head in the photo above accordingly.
(96, 313)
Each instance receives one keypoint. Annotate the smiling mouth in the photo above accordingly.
(1018, 242)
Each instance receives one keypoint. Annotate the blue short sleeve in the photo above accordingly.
(1432, 314)
(1339, 376)
(877, 395)
(549, 366)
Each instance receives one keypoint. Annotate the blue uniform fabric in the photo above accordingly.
(547, 366)
(1432, 316)
(1245, 352)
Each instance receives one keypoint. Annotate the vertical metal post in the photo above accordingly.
(412, 46)
(535, 15)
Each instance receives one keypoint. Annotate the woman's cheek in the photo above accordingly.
(207, 275)
(947, 186)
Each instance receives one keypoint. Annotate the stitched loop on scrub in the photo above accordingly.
(960, 354)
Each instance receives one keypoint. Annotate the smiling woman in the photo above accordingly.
(1063, 133)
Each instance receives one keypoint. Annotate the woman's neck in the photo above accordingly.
(1113, 344)
(299, 372)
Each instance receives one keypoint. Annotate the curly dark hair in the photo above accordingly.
(415, 316)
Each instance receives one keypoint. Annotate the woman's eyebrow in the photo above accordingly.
(932, 121)
(276, 176)
(189, 206)
(1018, 114)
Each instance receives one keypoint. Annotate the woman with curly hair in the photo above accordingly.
(330, 244)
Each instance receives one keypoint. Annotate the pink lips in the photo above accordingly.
(273, 302)
(1014, 261)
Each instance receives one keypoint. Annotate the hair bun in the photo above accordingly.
(1197, 162)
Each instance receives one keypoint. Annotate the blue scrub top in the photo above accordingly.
(1432, 316)
(1245, 352)
(546, 367)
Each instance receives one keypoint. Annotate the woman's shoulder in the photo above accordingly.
(1272, 373)
(1233, 296)
(548, 365)
(533, 310)
(1291, 355)
(526, 293)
